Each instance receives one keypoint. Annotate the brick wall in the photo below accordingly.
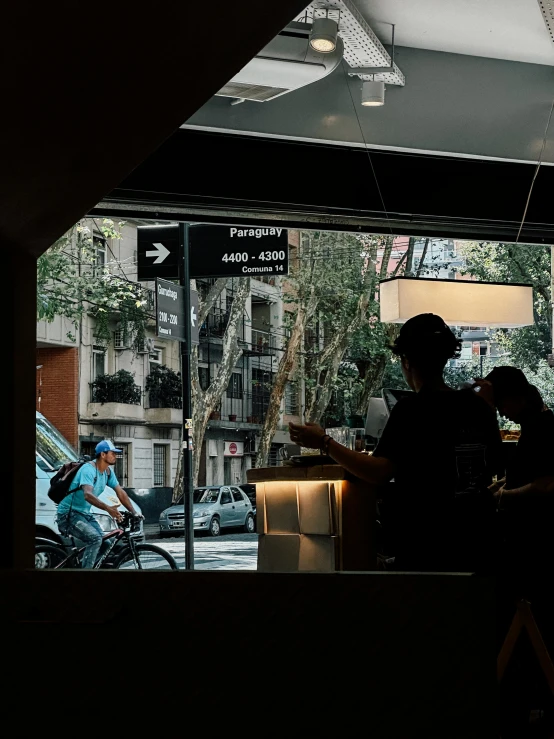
(57, 390)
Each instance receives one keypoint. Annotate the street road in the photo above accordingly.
(233, 551)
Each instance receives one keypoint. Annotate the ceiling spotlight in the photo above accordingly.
(323, 36)
(373, 93)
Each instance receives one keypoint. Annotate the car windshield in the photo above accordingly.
(206, 495)
(52, 447)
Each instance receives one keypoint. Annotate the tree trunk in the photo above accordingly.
(422, 260)
(306, 300)
(333, 354)
(410, 257)
(204, 402)
(373, 377)
(281, 378)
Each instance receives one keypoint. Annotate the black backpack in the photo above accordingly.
(61, 482)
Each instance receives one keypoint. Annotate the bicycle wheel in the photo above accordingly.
(149, 557)
(48, 557)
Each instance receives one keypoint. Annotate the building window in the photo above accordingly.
(234, 388)
(98, 362)
(160, 465)
(204, 377)
(155, 358)
(262, 382)
(99, 244)
(291, 399)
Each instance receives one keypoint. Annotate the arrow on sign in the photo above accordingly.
(193, 316)
(160, 252)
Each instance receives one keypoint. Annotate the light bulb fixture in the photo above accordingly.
(323, 36)
(373, 93)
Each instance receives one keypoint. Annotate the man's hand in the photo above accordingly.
(495, 487)
(114, 512)
(309, 436)
(486, 390)
(497, 494)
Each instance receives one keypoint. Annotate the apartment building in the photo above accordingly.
(71, 359)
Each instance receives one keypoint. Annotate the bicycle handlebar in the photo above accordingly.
(130, 520)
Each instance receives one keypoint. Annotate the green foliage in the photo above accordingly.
(164, 388)
(118, 388)
(517, 263)
(71, 284)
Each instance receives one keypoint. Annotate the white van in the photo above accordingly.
(52, 451)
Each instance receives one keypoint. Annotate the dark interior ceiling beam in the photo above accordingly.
(90, 91)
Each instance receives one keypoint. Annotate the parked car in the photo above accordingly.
(250, 490)
(52, 451)
(214, 508)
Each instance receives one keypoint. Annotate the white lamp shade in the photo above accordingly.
(457, 302)
(373, 93)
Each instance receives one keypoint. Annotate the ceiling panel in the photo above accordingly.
(500, 29)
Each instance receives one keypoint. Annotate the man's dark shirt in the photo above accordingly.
(533, 456)
(528, 521)
(445, 448)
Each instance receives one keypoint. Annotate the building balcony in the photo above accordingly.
(115, 404)
(164, 417)
(115, 412)
(163, 410)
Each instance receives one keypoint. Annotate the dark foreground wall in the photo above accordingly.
(387, 655)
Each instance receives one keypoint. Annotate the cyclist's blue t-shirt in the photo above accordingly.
(87, 475)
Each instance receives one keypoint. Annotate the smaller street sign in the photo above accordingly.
(194, 325)
(171, 312)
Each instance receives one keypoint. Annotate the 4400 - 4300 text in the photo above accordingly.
(265, 256)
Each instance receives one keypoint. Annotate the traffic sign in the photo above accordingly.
(171, 312)
(158, 252)
(194, 323)
(237, 251)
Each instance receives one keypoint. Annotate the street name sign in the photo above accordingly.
(237, 251)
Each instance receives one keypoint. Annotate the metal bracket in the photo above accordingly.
(355, 71)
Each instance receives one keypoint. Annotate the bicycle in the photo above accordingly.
(122, 554)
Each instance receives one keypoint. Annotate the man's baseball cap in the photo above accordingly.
(106, 446)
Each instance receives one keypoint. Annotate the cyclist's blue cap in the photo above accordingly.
(106, 446)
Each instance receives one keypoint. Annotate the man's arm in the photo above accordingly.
(375, 470)
(93, 500)
(125, 500)
(538, 488)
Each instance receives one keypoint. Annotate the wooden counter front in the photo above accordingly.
(316, 518)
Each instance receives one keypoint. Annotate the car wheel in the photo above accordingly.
(163, 534)
(250, 525)
(214, 527)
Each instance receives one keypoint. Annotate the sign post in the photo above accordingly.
(177, 319)
(186, 347)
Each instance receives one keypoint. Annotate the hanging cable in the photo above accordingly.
(539, 162)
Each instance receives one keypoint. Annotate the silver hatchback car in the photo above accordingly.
(214, 508)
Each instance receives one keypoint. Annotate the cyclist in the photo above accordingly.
(74, 517)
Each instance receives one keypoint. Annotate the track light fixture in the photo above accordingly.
(323, 36)
(373, 93)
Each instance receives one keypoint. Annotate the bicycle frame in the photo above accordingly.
(115, 536)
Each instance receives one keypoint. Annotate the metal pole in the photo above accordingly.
(187, 400)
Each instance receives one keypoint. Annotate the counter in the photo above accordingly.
(314, 518)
